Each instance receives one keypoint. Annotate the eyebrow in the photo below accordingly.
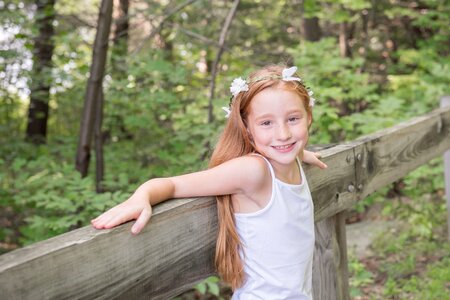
(264, 116)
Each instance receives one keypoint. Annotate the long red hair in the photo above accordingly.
(235, 142)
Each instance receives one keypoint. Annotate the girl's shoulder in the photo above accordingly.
(253, 171)
(252, 162)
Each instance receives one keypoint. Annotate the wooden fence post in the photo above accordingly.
(445, 101)
(324, 267)
(343, 291)
(330, 266)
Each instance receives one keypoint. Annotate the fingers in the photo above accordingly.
(321, 164)
(318, 162)
(118, 219)
(141, 221)
(103, 220)
(115, 216)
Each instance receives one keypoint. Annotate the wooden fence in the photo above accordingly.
(176, 250)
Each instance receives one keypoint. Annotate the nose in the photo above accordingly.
(284, 132)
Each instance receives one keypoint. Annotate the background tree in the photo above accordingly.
(120, 41)
(41, 74)
(310, 27)
(94, 88)
(215, 64)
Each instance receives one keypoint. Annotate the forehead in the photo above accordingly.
(276, 100)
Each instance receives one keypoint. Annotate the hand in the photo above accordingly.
(312, 158)
(136, 207)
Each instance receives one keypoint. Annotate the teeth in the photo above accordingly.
(283, 147)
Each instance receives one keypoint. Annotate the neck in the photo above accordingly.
(288, 173)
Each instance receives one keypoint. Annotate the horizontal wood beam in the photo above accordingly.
(360, 167)
(166, 258)
(177, 249)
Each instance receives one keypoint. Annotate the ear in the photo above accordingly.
(249, 133)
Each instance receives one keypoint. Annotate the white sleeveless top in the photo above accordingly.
(278, 244)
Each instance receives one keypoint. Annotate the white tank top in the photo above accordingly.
(278, 244)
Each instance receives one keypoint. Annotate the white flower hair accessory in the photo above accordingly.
(238, 85)
(312, 100)
(227, 110)
(287, 73)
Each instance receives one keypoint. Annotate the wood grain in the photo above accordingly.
(341, 261)
(324, 266)
(445, 102)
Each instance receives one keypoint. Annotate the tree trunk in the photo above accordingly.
(119, 50)
(36, 131)
(119, 60)
(215, 65)
(94, 86)
(364, 38)
(311, 29)
(99, 143)
(343, 40)
(309, 26)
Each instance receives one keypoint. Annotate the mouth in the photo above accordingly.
(284, 148)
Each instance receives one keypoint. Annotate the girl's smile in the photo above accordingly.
(284, 148)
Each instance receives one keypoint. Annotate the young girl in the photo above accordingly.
(266, 227)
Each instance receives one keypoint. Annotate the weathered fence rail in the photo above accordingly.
(177, 249)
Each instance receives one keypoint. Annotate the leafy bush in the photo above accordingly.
(340, 87)
(48, 194)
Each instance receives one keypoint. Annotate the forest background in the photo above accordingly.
(168, 67)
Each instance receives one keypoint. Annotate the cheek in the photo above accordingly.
(302, 133)
(261, 136)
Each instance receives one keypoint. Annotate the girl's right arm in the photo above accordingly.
(241, 175)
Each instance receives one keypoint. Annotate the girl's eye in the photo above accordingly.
(266, 123)
(293, 119)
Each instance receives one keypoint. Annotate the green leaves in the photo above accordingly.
(209, 285)
(52, 195)
(340, 89)
(359, 276)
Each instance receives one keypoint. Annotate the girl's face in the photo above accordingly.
(278, 124)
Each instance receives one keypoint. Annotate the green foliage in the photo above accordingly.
(435, 283)
(48, 194)
(402, 270)
(358, 275)
(406, 249)
(340, 87)
(422, 204)
(167, 124)
(14, 69)
(209, 285)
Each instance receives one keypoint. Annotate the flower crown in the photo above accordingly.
(240, 85)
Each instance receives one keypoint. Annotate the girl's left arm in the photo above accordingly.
(312, 158)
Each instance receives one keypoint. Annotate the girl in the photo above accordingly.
(266, 227)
